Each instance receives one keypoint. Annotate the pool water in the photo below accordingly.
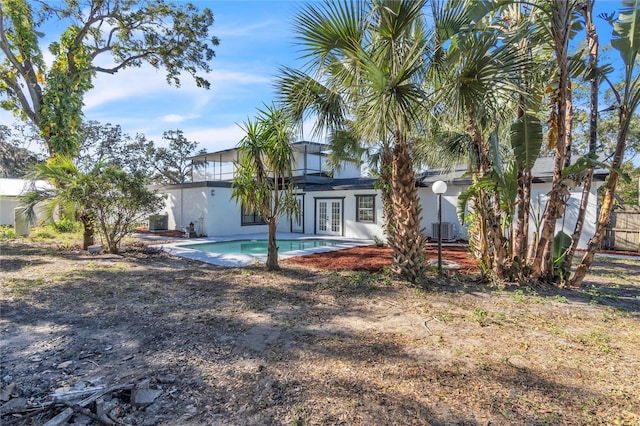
(259, 247)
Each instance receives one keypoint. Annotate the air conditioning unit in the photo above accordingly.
(158, 222)
(448, 230)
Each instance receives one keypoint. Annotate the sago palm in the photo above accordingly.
(64, 195)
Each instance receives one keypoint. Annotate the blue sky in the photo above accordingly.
(256, 38)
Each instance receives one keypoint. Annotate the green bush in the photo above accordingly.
(67, 226)
(7, 232)
(43, 233)
(48, 233)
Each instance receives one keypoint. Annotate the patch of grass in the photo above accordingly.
(7, 233)
(551, 419)
(557, 298)
(500, 316)
(596, 295)
(444, 316)
(353, 283)
(555, 330)
(595, 339)
(613, 275)
(524, 294)
(23, 287)
(609, 314)
(48, 233)
(480, 316)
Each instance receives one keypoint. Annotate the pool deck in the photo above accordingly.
(239, 260)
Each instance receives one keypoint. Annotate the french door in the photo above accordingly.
(329, 216)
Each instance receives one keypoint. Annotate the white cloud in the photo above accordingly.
(177, 118)
(268, 28)
(147, 82)
(215, 138)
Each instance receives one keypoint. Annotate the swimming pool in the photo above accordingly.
(240, 250)
(260, 247)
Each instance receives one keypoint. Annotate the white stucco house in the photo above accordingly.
(11, 191)
(335, 203)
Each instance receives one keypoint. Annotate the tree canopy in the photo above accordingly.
(102, 36)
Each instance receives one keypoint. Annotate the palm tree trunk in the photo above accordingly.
(592, 38)
(272, 247)
(499, 242)
(607, 204)
(521, 238)
(408, 242)
(484, 248)
(386, 166)
(88, 231)
(542, 264)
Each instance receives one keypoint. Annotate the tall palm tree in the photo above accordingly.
(474, 73)
(586, 10)
(626, 40)
(561, 17)
(263, 179)
(366, 65)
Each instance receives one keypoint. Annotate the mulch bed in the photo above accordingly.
(375, 259)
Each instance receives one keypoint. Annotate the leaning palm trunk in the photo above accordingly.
(407, 239)
(625, 40)
(607, 206)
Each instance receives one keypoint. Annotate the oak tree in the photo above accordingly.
(101, 36)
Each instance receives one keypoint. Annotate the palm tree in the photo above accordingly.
(366, 65)
(474, 74)
(263, 180)
(593, 46)
(561, 16)
(68, 194)
(626, 40)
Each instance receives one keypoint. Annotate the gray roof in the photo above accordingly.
(542, 171)
(338, 184)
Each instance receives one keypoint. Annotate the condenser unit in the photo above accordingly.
(448, 230)
(158, 222)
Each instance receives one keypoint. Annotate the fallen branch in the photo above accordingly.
(65, 415)
(29, 413)
(86, 412)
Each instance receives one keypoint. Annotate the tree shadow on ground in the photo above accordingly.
(247, 346)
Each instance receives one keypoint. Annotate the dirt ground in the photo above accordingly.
(176, 342)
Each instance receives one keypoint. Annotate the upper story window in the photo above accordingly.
(366, 208)
(251, 217)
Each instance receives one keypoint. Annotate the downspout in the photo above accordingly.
(181, 207)
(305, 160)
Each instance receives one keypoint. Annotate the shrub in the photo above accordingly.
(7, 232)
(43, 233)
(66, 226)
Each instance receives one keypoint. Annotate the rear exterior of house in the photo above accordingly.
(337, 202)
(11, 193)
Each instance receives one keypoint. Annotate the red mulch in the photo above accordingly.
(168, 233)
(375, 259)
